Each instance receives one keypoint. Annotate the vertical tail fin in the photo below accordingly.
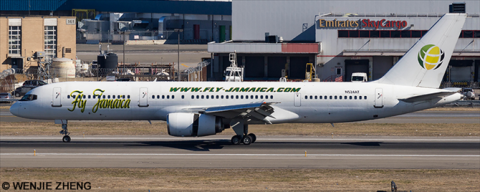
(426, 62)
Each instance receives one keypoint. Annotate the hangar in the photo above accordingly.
(340, 37)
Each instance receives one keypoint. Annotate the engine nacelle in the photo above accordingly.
(193, 124)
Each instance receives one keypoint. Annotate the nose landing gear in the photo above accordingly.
(65, 132)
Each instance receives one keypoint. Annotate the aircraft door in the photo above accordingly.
(57, 97)
(378, 98)
(298, 99)
(143, 97)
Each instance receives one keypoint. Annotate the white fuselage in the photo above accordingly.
(295, 102)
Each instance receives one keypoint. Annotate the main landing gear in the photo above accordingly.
(245, 139)
(241, 129)
(65, 132)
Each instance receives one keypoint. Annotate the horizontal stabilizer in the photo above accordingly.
(425, 97)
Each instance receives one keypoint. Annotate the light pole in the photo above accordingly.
(124, 52)
(178, 50)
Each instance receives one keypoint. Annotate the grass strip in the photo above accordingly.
(302, 129)
(139, 179)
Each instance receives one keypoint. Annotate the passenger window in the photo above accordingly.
(183, 96)
(173, 96)
(193, 97)
(207, 96)
(256, 96)
(359, 97)
(68, 96)
(84, 96)
(365, 97)
(217, 96)
(104, 96)
(306, 97)
(350, 97)
(109, 96)
(266, 96)
(168, 96)
(158, 96)
(315, 97)
(241, 96)
(335, 97)
(119, 96)
(355, 97)
(261, 96)
(198, 97)
(163, 96)
(320, 97)
(311, 97)
(271, 96)
(236, 96)
(340, 97)
(89, 97)
(153, 96)
(114, 96)
(222, 96)
(330, 97)
(128, 96)
(203, 97)
(123, 96)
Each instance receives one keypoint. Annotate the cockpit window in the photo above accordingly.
(29, 97)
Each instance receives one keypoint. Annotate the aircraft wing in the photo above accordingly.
(428, 96)
(252, 110)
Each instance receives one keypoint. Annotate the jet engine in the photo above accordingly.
(193, 124)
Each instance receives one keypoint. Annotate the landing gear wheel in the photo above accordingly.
(247, 140)
(66, 139)
(235, 140)
(253, 136)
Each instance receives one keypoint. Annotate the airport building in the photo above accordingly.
(27, 40)
(339, 38)
(145, 20)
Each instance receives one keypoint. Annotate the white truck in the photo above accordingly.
(359, 77)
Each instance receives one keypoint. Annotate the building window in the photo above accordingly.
(51, 41)
(14, 40)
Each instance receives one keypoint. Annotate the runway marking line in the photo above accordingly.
(188, 154)
(141, 139)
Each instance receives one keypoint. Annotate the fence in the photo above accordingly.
(189, 36)
(118, 37)
(131, 72)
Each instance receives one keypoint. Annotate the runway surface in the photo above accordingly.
(267, 152)
(416, 117)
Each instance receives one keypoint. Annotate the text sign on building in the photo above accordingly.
(70, 21)
(362, 23)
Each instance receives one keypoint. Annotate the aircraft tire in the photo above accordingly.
(236, 140)
(66, 139)
(253, 136)
(247, 140)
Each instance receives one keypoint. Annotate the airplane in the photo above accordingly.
(194, 109)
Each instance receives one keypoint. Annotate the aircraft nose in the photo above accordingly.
(14, 109)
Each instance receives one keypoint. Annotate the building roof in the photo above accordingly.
(141, 6)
